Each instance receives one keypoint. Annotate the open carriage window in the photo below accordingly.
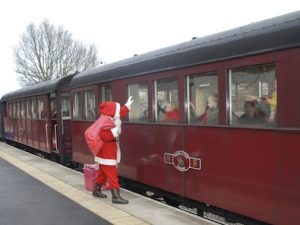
(166, 101)
(253, 98)
(203, 99)
(139, 108)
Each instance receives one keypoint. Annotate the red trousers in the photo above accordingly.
(108, 175)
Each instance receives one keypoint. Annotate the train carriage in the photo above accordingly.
(38, 118)
(249, 167)
(214, 123)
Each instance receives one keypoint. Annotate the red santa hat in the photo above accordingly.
(110, 109)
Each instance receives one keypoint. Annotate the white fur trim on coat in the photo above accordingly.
(117, 113)
(108, 162)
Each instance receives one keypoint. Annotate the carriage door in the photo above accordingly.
(155, 144)
(169, 133)
(201, 135)
(53, 124)
(65, 130)
(43, 124)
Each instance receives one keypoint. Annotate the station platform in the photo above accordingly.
(36, 191)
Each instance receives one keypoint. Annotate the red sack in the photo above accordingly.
(92, 136)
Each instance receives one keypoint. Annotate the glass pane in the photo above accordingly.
(10, 110)
(65, 106)
(28, 109)
(15, 110)
(53, 107)
(139, 108)
(253, 95)
(41, 105)
(90, 105)
(18, 109)
(106, 94)
(22, 110)
(77, 106)
(203, 99)
(166, 97)
(34, 109)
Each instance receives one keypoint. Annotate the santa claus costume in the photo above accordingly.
(109, 156)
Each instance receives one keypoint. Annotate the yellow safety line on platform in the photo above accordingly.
(100, 208)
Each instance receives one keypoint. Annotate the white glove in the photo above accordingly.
(129, 102)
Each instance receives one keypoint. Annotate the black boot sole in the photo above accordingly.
(118, 201)
(99, 196)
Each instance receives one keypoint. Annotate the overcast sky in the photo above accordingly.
(122, 28)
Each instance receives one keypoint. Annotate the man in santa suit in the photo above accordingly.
(109, 156)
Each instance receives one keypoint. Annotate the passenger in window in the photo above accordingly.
(144, 117)
(160, 110)
(267, 105)
(252, 115)
(211, 115)
(171, 113)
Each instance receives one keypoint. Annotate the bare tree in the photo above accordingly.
(49, 52)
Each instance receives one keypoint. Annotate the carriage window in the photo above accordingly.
(10, 110)
(203, 99)
(18, 109)
(65, 106)
(23, 115)
(253, 95)
(53, 109)
(90, 105)
(139, 108)
(77, 106)
(28, 109)
(34, 109)
(105, 93)
(41, 108)
(6, 110)
(14, 110)
(166, 99)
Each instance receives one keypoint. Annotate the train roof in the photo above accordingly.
(268, 35)
(39, 88)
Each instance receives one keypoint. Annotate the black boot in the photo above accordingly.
(116, 198)
(97, 191)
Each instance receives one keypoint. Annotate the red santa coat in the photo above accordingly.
(110, 153)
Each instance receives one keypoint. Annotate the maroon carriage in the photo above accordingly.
(38, 118)
(207, 124)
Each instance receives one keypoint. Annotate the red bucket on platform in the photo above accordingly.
(90, 174)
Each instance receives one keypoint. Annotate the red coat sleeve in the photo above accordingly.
(123, 111)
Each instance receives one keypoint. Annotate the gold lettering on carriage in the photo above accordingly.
(182, 161)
